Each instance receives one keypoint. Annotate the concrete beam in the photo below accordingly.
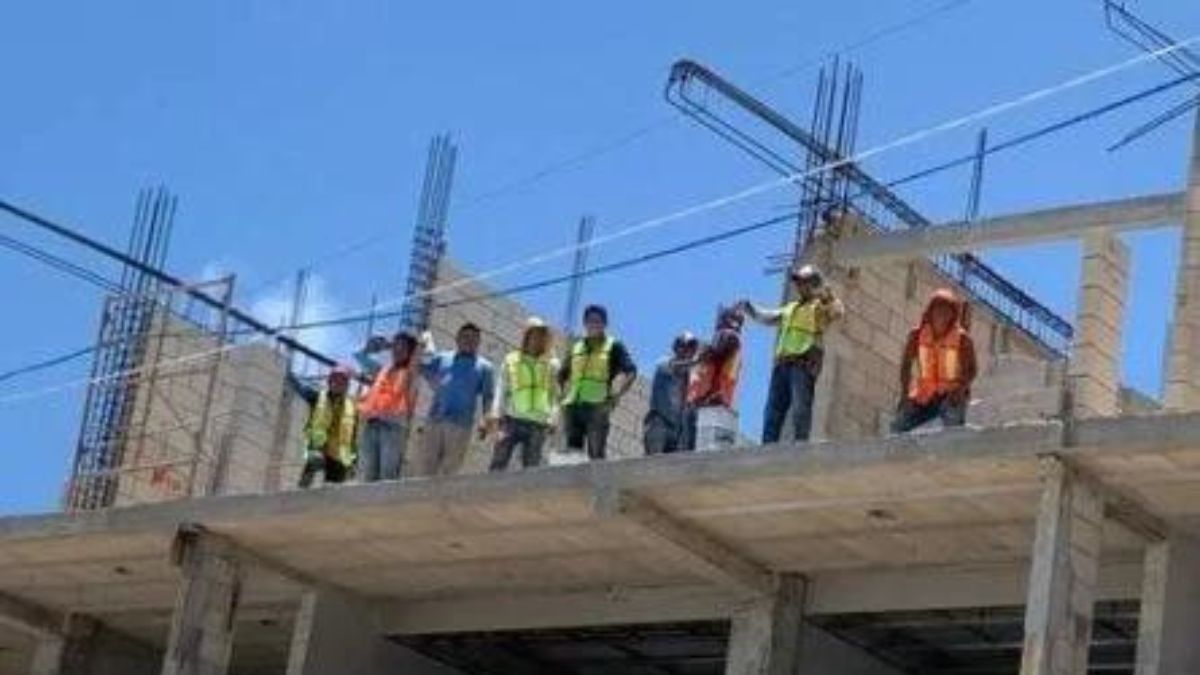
(1063, 573)
(1064, 222)
(201, 636)
(764, 638)
(29, 617)
(697, 549)
(67, 651)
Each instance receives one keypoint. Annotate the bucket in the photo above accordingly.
(716, 428)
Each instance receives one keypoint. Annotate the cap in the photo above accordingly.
(341, 370)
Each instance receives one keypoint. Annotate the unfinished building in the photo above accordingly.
(1056, 536)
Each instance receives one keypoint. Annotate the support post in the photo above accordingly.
(201, 637)
(1169, 620)
(67, 652)
(1183, 369)
(764, 638)
(1095, 368)
(1063, 572)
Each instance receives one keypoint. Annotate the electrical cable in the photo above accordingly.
(61, 264)
(702, 207)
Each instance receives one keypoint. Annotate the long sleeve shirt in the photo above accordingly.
(668, 391)
(462, 383)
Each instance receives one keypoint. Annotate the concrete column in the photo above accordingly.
(1169, 621)
(201, 637)
(68, 652)
(1062, 577)
(1183, 366)
(764, 638)
(337, 635)
(1095, 369)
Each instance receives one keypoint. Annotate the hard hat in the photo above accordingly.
(536, 323)
(340, 371)
(807, 273)
(685, 339)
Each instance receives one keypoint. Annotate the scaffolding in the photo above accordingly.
(429, 234)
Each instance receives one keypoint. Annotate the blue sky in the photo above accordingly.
(288, 129)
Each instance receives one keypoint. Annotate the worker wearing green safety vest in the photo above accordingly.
(331, 431)
(801, 325)
(526, 404)
(595, 377)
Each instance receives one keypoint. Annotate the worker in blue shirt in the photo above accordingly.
(463, 383)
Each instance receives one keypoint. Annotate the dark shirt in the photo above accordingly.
(668, 391)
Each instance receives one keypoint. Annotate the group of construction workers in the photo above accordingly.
(533, 395)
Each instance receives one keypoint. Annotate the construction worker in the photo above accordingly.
(663, 429)
(590, 382)
(718, 368)
(463, 382)
(799, 351)
(937, 368)
(329, 433)
(526, 403)
(386, 408)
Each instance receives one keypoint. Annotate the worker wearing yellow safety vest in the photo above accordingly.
(937, 367)
(330, 432)
(598, 372)
(799, 351)
(525, 407)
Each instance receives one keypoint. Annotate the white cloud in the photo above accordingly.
(274, 306)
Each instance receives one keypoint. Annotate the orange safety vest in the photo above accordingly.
(390, 394)
(938, 366)
(711, 384)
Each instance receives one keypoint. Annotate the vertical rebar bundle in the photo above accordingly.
(429, 234)
(120, 345)
(587, 226)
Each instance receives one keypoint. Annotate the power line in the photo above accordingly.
(61, 264)
(48, 363)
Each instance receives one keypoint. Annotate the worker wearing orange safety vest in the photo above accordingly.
(799, 351)
(386, 408)
(937, 368)
(715, 377)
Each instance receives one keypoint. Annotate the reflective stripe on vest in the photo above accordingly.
(320, 422)
(389, 395)
(799, 329)
(590, 372)
(715, 386)
(528, 379)
(938, 366)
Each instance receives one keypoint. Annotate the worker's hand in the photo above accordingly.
(378, 343)
(487, 426)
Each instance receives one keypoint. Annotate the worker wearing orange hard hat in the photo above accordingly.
(937, 368)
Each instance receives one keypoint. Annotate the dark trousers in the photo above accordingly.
(911, 414)
(529, 436)
(661, 436)
(335, 471)
(587, 424)
(793, 386)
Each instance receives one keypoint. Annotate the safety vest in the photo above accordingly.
(938, 366)
(529, 382)
(799, 329)
(715, 384)
(590, 372)
(390, 395)
(320, 423)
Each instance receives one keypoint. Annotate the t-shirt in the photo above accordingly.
(461, 384)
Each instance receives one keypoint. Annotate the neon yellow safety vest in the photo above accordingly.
(319, 422)
(528, 380)
(799, 329)
(590, 372)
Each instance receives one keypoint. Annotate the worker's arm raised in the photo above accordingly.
(767, 317)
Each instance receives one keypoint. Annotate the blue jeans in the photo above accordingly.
(793, 385)
(381, 446)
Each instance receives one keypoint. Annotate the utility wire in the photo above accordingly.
(61, 264)
(48, 363)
